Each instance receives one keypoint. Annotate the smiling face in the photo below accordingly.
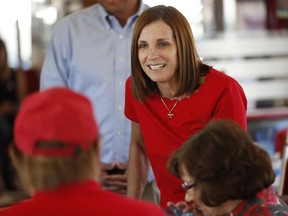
(158, 53)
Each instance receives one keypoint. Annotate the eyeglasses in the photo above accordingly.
(186, 186)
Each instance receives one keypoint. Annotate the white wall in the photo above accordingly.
(10, 11)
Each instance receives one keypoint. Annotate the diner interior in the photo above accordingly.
(246, 39)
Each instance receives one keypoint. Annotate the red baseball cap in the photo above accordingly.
(55, 114)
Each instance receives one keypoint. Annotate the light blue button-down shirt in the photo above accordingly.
(89, 52)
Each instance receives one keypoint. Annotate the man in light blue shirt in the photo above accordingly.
(89, 52)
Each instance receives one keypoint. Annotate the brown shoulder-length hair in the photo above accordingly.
(190, 66)
(225, 162)
(47, 173)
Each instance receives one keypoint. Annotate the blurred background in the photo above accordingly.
(247, 39)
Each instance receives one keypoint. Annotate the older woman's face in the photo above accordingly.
(193, 195)
(157, 52)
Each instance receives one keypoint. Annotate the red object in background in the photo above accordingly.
(277, 14)
(280, 142)
(32, 80)
(280, 139)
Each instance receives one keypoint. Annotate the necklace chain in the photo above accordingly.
(170, 114)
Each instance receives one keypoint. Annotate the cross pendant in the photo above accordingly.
(171, 115)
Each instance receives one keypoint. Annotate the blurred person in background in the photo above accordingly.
(89, 52)
(225, 173)
(9, 101)
(56, 153)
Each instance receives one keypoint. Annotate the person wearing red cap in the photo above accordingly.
(56, 154)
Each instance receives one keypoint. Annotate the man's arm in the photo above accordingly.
(57, 61)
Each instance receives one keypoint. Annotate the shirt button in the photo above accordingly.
(120, 59)
(120, 108)
(121, 36)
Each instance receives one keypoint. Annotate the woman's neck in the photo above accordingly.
(167, 90)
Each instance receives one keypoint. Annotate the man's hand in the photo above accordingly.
(114, 177)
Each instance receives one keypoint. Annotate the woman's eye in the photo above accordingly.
(142, 45)
(163, 44)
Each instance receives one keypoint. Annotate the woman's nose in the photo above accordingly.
(152, 53)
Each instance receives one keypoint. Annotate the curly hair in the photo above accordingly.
(225, 162)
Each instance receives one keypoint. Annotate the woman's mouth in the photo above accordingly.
(157, 66)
